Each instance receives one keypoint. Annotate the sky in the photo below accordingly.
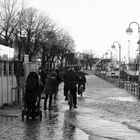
(96, 24)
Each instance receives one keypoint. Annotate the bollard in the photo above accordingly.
(131, 91)
(129, 87)
(138, 90)
(135, 89)
(126, 86)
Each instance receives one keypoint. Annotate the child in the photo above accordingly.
(50, 88)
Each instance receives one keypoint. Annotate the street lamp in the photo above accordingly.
(129, 31)
(128, 51)
(110, 54)
(113, 46)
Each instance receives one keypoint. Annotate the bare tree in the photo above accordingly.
(8, 20)
(33, 33)
(31, 30)
(67, 47)
(88, 59)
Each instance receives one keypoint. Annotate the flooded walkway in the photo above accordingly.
(105, 112)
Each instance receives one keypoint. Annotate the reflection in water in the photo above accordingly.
(32, 130)
(51, 115)
(6, 119)
(51, 120)
(51, 123)
(69, 129)
(54, 126)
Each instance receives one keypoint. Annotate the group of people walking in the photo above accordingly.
(48, 84)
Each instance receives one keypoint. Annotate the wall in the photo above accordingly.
(6, 83)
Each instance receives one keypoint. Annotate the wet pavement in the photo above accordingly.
(105, 112)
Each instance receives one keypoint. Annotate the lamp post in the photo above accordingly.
(129, 31)
(128, 51)
(110, 54)
(113, 46)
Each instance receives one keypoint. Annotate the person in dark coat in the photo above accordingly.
(50, 88)
(70, 83)
(32, 91)
(43, 75)
(81, 80)
(58, 78)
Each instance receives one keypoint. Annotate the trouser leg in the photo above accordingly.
(39, 99)
(45, 101)
(84, 86)
(55, 93)
(50, 100)
(65, 91)
(74, 96)
(57, 87)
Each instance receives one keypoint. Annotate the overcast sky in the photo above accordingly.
(96, 24)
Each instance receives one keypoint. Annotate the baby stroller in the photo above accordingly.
(31, 100)
(31, 109)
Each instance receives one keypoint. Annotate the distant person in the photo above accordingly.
(81, 80)
(58, 78)
(43, 76)
(65, 85)
(40, 88)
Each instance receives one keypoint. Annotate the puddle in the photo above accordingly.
(129, 99)
(99, 128)
(5, 120)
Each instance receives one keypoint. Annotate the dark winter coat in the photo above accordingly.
(32, 89)
(70, 79)
(81, 77)
(50, 86)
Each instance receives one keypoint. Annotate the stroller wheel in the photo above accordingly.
(27, 117)
(22, 115)
(40, 115)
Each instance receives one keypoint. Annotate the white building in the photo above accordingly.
(6, 53)
(7, 77)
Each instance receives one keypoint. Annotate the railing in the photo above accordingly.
(131, 87)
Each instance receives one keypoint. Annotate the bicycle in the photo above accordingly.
(70, 100)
